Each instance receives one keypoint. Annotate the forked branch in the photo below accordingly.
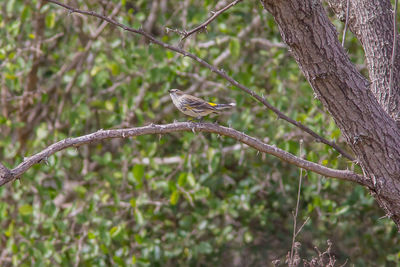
(7, 175)
(204, 25)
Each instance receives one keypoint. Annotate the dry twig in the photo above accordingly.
(214, 15)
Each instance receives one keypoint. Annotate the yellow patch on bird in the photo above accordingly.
(212, 104)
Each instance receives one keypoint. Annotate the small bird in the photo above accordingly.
(194, 106)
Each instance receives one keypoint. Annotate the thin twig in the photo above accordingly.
(297, 210)
(346, 23)
(7, 175)
(209, 20)
(214, 69)
(394, 50)
(344, 263)
(301, 227)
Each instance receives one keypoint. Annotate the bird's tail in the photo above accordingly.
(225, 106)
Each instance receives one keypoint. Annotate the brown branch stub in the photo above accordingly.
(181, 127)
(204, 25)
(214, 69)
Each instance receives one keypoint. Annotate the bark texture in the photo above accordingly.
(372, 23)
(369, 130)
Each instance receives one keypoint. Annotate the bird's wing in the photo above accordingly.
(197, 103)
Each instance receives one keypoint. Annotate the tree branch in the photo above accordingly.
(7, 175)
(214, 15)
(214, 69)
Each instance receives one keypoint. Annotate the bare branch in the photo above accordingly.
(214, 69)
(7, 175)
(214, 15)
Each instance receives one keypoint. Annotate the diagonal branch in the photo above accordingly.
(214, 15)
(7, 175)
(214, 69)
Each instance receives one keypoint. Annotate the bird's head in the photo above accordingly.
(176, 91)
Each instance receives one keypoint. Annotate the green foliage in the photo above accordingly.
(181, 199)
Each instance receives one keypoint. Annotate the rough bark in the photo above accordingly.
(372, 23)
(367, 127)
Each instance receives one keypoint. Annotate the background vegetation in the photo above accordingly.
(186, 199)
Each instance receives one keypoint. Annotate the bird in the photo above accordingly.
(194, 106)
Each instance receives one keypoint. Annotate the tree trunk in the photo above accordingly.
(364, 121)
(372, 23)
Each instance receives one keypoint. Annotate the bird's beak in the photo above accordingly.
(169, 91)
